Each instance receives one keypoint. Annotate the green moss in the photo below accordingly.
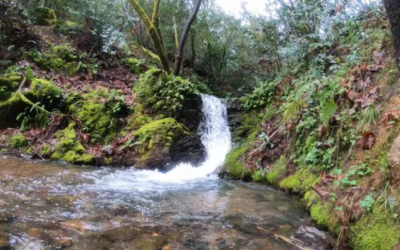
(71, 28)
(108, 161)
(321, 213)
(45, 88)
(70, 149)
(4, 150)
(152, 138)
(7, 86)
(232, 165)
(18, 141)
(377, 230)
(300, 181)
(260, 176)
(96, 110)
(278, 169)
(11, 82)
(65, 52)
(135, 65)
(46, 150)
(292, 182)
(44, 16)
(249, 123)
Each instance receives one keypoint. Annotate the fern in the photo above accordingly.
(328, 110)
(292, 109)
(306, 86)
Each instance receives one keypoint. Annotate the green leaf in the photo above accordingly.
(328, 110)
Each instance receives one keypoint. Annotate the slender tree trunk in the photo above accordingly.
(393, 12)
(154, 31)
(179, 54)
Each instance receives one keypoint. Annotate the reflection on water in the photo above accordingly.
(50, 206)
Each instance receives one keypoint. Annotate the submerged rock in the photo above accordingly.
(121, 234)
(4, 243)
(314, 238)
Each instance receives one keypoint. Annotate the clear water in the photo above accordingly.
(54, 206)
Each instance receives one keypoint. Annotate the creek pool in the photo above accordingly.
(54, 206)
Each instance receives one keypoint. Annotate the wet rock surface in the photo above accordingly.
(314, 238)
(188, 149)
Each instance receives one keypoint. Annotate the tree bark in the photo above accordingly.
(154, 31)
(179, 54)
(393, 11)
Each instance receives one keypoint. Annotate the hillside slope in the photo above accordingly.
(328, 131)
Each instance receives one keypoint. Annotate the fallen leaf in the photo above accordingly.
(368, 140)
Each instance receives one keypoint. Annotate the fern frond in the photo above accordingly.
(306, 87)
(292, 109)
(328, 110)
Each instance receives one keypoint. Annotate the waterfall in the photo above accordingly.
(216, 137)
(214, 131)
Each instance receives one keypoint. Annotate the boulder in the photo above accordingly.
(191, 114)
(188, 149)
(165, 141)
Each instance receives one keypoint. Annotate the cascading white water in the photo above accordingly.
(216, 137)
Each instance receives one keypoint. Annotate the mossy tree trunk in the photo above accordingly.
(153, 28)
(179, 54)
(393, 12)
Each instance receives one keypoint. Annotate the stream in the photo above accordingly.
(47, 205)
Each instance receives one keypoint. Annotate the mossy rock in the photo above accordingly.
(44, 16)
(322, 212)
(8, 85)
(233, 168)
(154, 140)
(69, 148)
(41, 91)
(99, 111)
(18, 141)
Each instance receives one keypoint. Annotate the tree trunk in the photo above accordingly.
(393, 12)
(179, 54)
(154, 31)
